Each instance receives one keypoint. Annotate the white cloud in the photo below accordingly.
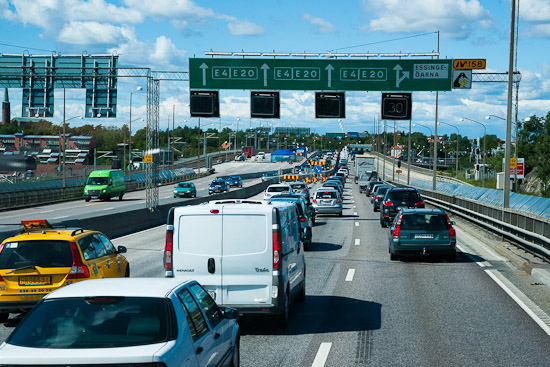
(86, 33)
(539, 30)
(163, 53)
(171, 9)
(319, 25)
(535, 10)
(454, 18)
(245, 28)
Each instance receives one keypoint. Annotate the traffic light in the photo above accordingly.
(399, 163)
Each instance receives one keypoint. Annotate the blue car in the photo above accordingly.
(235, 181)
(217, 186)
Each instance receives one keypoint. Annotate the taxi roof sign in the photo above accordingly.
(468, 64)
(35, 224)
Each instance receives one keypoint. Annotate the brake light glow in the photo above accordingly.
(78, 270)
(377, 197)
(302, 219)
(337, 200)
(168, 250)
(452, 231)
(419, 203)
(276, 249)
(388, 203)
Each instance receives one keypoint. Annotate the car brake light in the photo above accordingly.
(302, 219)
(388, 203)
(78, 270)
(452, 231)
(276, 249)
(337, 200)
(377, 197)
(395, 233)
(168, 250)
(315, 200)
(419, 203)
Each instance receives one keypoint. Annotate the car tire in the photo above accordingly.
(86, 199)
(341, 214)
(452, 257)
(393, 257)
(195, 195)
(4, 316)
(127, 272)
(301, 297)
(120, 196)
(282, 319)
(236, 357)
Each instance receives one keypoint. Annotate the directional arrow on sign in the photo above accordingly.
(265, 68)
(398, 79)
(204, 67)
(329, 68)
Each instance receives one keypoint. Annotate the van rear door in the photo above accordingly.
(247, 256)
(198, 251)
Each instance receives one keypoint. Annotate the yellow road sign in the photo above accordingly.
(513, 163)
(468, 64)
(323, 179)
(148, 158)
(398, 171)
(314, 179)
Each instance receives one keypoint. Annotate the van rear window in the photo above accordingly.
(244, 234)
(45, 254)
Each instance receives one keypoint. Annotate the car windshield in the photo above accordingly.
(327, 195)
(403, 196)
(184, 185)
(44, 254)
(234, 178)
(426, 222)
(94, 322)
(218, 182)
(277, 189)
(97, 181)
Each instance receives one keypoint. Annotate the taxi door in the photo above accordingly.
(93, 253)
(115, 264)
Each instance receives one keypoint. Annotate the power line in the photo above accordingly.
(26, 48)
(390, 40)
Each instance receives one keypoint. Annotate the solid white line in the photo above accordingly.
(322, 355)
(65, 216)
(47, 211)
(357, 241)
(167, 197)
(349, 275)
(529, 310)
(111, 208)
(480, 263)
(357, 224)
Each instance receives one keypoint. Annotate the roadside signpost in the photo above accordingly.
(321, 75)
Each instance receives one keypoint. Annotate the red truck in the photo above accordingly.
(249, 152)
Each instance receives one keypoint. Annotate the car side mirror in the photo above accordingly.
(230, 313)
(121, 249)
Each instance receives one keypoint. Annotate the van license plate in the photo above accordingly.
(424, 235)
(212, 294)
(35, 280)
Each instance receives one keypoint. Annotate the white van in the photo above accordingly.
(248, 254)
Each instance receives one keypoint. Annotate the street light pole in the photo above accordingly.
(488, 117)
(484, 153)
(138, 88)
(430, 144)
(456, 158)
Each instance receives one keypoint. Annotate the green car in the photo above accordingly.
(185, 189)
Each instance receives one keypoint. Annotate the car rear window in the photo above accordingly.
(95, 322)
(45, 254)
(277, 189)
(299, 186)
(327, 195)
(403, 195)
(426, 222)
(382, 190)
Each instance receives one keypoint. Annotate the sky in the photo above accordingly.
(164, 34)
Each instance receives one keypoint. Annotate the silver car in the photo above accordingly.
(327, 201)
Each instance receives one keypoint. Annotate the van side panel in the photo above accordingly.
(199, 241)
(247, 257)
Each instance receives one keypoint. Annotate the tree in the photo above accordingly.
(542, 150)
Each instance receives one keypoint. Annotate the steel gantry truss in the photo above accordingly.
(69, 75)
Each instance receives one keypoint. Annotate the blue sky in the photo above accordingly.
(163, 34)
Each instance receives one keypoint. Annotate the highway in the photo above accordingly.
(362, 309)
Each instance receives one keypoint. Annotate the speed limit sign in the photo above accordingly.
(396, 106)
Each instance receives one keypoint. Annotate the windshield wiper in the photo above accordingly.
(22, 268)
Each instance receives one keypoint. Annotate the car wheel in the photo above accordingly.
(393, 257)
(127, 272)
(341, 214)
(282, 319)
(120, 196)
(301, 297)
(87, 199)
(236, 358)
(452, 257)
(4, 316)
(195, 195)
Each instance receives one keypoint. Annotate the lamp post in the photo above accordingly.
(65, 142)
(138, 88)
(457, 133)
(430, 144)
(484, 153)
(488, 117)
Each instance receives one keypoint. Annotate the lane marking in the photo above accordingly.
(350, 274)
(357, 224)
(355, 206)
(354, 213)
(47, 211)
(111, 208)
(322, 355)
(167, 197)
(357, 241)
(65, 216)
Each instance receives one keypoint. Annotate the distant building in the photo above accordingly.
(297, 131)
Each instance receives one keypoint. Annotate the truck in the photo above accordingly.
(249, 152)
(364, 163)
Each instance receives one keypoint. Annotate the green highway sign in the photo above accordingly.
(315, 74)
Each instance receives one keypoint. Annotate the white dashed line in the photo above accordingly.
(349, 276)
(65, 216)
(108, 208)
(322, 355)
(47, 211)
(354, 213)
(357, 224)
(357, 241)
(355, 206)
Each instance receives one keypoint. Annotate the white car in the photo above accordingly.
(125, 322)
(277, 189)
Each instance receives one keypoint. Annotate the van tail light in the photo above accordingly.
(302, 219)
(395, 232)
(168, 250)
(419, 204)
(78, 270)
(276, 249)
(337, 200)
(388, 203)
(315, 200)
(452, 231)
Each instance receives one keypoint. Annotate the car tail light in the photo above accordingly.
(388, 203)
(302, 219)
(395, 233)
(452, 231)
(276, 249)
(337, 200)
(377, 197)
(315, 200)
(419, 203)
(168, 250)
(78, 270)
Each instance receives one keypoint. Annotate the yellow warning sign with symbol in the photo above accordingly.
(314, 179)
(324, 179)
(462, 79)
(513, 163)
(147, 158)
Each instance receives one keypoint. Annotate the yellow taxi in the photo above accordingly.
(40, 259)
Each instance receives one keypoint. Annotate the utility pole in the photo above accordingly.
(199, 147)
(507, 155)
(173, 128)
